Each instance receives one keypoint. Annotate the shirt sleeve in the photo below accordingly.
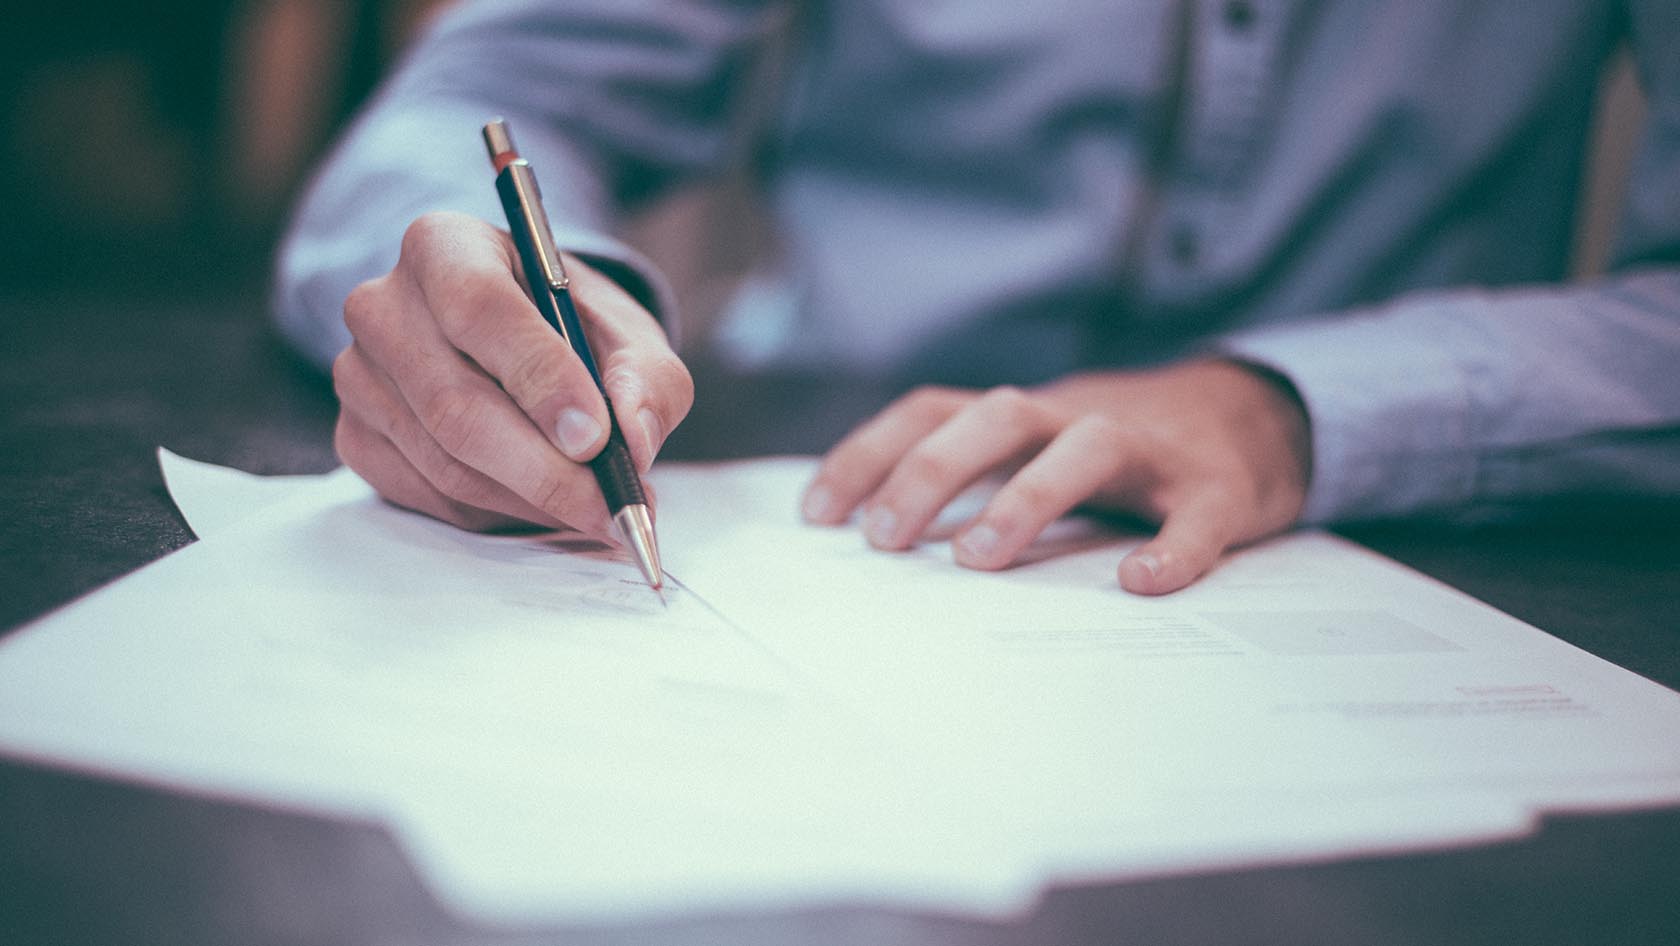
(1473, 402)
(611, 100)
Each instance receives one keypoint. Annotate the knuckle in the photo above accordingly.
(1011, 408)
(453, 417)
(554, 493)
(1098, 429)
(364, 306)
(660, 380)
(1166, 445)
(930, 401)
(428, 230)
(454, 479)
(1032, 497)
(622, 381)
(343, 374)
(348, 446)
(926, 466)
(670, 375)
(474, 298)
(535, 373)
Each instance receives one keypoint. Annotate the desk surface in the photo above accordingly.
(89, 389)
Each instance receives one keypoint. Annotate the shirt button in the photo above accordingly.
(1239, 14)
(1184, 245)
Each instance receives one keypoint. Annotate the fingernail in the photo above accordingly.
(979, 543)
(882, 526)
(1150, 564)
(652, 431)
(819, 502)
(577, 432)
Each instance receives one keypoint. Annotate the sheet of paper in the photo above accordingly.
(804, 720)
(213, 498)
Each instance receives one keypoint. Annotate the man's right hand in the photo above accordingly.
(457, 400)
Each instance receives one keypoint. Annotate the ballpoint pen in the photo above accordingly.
(551, 289)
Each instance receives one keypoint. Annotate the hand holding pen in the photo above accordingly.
(458, 400)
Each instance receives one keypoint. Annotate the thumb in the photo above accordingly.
(1190, 541)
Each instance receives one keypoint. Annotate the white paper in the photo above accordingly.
(212, 498)
(805, 720)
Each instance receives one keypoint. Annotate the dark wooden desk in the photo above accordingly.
(88, 388)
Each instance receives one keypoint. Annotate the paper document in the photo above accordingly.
(804, 720)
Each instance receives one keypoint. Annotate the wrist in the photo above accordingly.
(1268, 403)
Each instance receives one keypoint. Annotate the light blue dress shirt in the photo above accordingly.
(1374, 199)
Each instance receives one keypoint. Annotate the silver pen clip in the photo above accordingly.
(499, 140)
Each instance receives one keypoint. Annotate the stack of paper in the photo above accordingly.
(803, 720)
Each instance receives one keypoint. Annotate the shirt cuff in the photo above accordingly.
(1389, 413)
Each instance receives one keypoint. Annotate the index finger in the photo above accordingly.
(861, 461)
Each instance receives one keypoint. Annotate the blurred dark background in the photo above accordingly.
(148, 155)
(155, 147)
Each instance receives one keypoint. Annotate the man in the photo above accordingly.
(1255, 263)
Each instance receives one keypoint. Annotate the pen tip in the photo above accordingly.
(635, 524)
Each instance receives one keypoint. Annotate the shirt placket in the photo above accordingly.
(1231, 73)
